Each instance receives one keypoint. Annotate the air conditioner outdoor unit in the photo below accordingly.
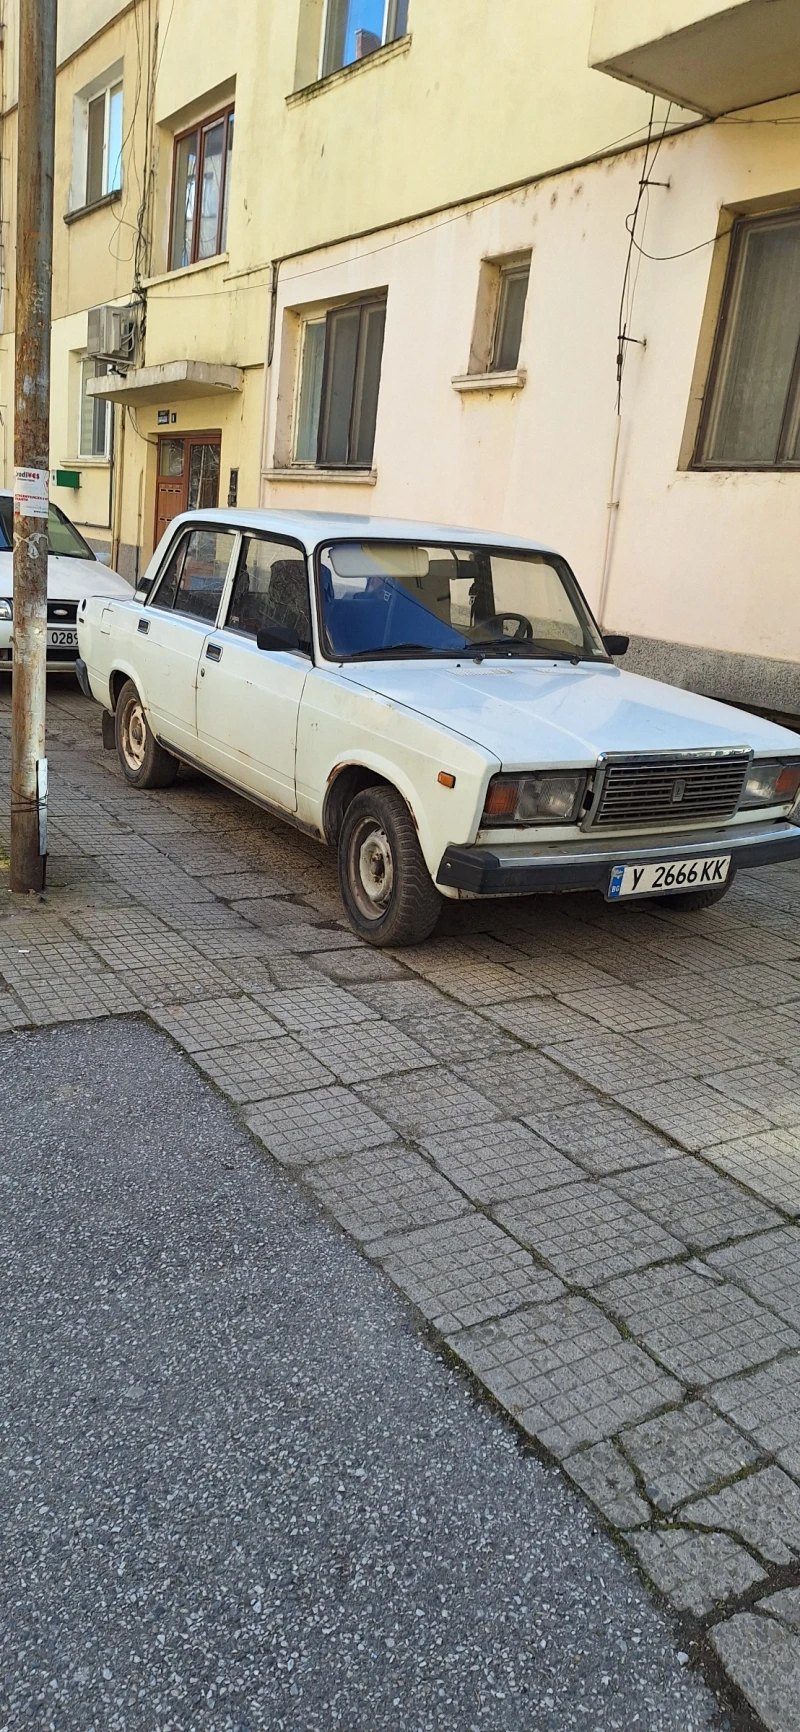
(111, 333)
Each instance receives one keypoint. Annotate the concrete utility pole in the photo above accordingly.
(35, 151)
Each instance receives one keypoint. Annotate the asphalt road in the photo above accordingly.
(238, 1492)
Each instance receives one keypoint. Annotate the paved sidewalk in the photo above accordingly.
(569, 1133)
(239, 1494)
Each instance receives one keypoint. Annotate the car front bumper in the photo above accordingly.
(518, 870)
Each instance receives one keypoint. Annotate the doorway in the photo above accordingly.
(188, 476)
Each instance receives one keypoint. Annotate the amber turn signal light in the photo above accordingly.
(446, 779)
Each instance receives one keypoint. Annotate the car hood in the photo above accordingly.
(546, 713)
(70, 579)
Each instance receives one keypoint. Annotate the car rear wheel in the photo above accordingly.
(386, 887)
(686, 901)
(145, 764)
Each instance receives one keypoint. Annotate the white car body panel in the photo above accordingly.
(70, 581)
(280, 727)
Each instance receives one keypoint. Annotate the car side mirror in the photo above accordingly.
(278, 637)
(615, 644)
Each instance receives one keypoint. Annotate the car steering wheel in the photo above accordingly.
(524, 628)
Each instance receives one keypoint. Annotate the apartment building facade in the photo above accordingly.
(534, 268)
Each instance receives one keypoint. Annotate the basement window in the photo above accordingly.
(340, 370)
(355, 28)
(751, 415)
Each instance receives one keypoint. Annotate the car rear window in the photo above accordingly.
(62, 536)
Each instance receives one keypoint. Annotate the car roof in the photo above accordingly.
(314, 527)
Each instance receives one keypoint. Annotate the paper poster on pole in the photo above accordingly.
(31, 492)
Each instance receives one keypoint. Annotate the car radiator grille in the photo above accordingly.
(62, 613)
(651, 791)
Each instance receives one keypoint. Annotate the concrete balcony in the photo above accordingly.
(709, 55)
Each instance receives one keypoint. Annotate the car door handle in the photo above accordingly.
(214, 652)
(143, 627)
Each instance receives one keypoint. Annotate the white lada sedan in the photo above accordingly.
(440, 706)
(73, 573)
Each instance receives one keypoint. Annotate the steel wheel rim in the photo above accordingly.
(133, 734)
(371, 869)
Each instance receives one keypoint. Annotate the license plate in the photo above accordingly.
(62, 640)
(669, 875)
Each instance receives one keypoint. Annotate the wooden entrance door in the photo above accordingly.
(188, 476)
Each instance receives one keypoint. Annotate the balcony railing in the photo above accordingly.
(708, 55)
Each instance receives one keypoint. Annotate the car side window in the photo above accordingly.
(194, 576)
(270, 589)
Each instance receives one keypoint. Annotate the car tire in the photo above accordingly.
(386, 887)
(145, 764)
(686, 901)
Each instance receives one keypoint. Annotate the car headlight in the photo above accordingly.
(549, 797)
(771, 784)
(5, 609)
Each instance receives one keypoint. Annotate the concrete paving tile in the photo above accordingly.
(538, 1021)
(461, 1272)
(314, 1125)
(607, 1479)
(586, 1233)
(221, 1022)
(217, 917)
(758, 1030)
(784, 1605)
(379, 1192)
(759, 985)
(621, 1008)
(78, 999)
(766, 1404)
(697, 1206)
(763, 1510)
(252, 974)
(475, 982)
(565, 1372)
(226, 943)
(363, 1050)
(502, 1159)
(554, 969)
(683, 1453)
(173, 984)
(12, 1014)
(33, 960)
(693, 1048)
(763, 1659)
(428, 1102)
(258, 1070)
(769, 1268)
(697, 1572)
(458, 1035)
(302, 938)
(601, 1136)
(701, 1329)
(692, 1113)
(157, 948)
(612, 1062)
(773, 1089)
(524, 1083)
(243, 886)
(768, 1163)
(398, 999)
(309, 1007)
(350, 967)
(290, 972)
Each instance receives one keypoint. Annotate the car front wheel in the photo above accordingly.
(386, 887)
(145, 764)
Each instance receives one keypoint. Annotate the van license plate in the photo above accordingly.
(669, 875)
(62, 640)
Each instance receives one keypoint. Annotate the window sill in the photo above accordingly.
(85, 463)
(301, 472)
(104, 203)
(490, 381)
(186, 271)
(379, 57)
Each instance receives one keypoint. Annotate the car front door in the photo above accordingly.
(248, 698)
(173, 626)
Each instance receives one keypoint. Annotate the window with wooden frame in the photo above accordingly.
(340, 370)
(751, 413)
(355, 28)
(200, 190)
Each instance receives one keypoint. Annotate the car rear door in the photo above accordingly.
(173, 627)
(248, 699)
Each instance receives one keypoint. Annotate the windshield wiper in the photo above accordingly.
(517, 647)
(399, 649)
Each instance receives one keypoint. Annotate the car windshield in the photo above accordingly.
(62, 536)
(400, 598)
